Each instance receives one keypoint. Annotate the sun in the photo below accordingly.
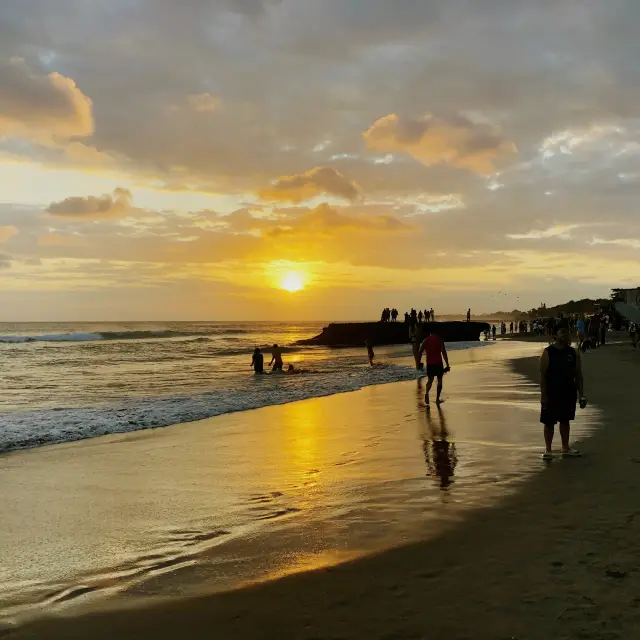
(292, 281)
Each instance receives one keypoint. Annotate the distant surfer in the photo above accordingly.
(257, 362)
(560, 386)
(276, 363)
(435, 351)
(370, 354)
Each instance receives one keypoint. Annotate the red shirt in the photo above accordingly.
(433, 350)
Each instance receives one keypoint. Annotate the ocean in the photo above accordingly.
(215, 504)
(70, 381)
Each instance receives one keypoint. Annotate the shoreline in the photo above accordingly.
(574, 525)
(30, 429)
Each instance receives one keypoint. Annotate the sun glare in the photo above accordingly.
(292, 281)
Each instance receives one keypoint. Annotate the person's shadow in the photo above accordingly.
(440, 454)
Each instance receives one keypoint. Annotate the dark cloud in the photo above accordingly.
(41, 105)
(91, 207)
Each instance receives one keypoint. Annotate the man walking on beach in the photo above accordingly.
(560, 385)
(433, 347)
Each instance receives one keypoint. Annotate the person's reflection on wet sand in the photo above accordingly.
(439, 454)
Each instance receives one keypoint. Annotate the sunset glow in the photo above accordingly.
(292, 281)
(403, 154)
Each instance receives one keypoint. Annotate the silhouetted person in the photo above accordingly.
(407, 318)
(560, 385)
(370, 354)
(414, 316)
(276, 358)
(394, 314)
(414, 337)
(604, 327)
(257, 362)
(468, 315)
(420, 316)
(433, 315)
(493, 331)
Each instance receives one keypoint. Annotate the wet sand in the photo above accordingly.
(556, 559)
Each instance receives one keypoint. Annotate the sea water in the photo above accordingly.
(65, 382)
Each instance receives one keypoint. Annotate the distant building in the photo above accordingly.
(629, 296)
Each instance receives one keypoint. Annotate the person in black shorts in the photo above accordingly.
(560, 385)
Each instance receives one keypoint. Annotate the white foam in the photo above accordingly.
(25, 429)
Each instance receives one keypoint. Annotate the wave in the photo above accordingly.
(118, 335)
(26, 429)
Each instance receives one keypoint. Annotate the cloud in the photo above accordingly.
(436, 140)
(41, 106)
(6, 233)
(203, 102)
(562, 231)
(325, 220)
(315, 182)
(54, 239)
(105, 206)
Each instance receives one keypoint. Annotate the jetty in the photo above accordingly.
(355, 334)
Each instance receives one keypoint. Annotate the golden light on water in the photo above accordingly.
(292, 281)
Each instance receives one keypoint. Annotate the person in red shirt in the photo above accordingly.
(435, 351)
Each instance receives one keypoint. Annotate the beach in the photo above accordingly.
(537, 552)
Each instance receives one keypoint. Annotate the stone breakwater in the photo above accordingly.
(354, 334)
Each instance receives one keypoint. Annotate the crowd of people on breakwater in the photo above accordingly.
(410, 317)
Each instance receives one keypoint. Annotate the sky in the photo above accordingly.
(315, 159)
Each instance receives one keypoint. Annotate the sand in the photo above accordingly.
(558, 559)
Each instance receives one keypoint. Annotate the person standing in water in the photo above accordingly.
(560, 385)
(435, 351)
(276, 358)
(257, 362)
(370, 354)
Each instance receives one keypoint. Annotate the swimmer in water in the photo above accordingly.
(291, 370)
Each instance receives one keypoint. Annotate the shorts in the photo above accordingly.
(277, 366)
(560, 408)
(435, 370)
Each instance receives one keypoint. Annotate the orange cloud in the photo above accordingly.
(6, 233)
(105, 206)
(54, 240)
(40, 106)
(315, 182)
(203, 102)
(326, 220)
(432, 140)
